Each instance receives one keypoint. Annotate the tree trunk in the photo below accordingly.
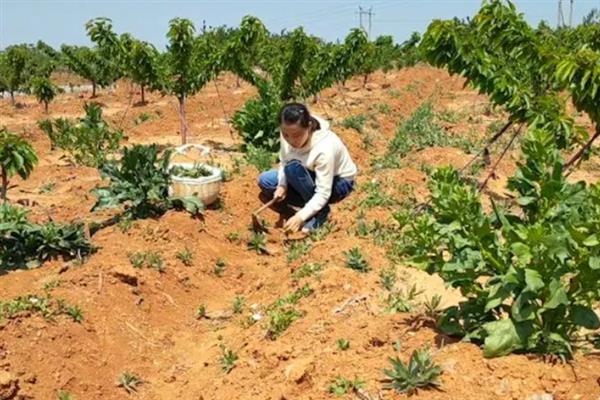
(182, 119)
(582, 151)
(237, 82)
(46, 107)
(365, 79)
(12, 98)
(93, 89)
(143, 97)
(4, 185)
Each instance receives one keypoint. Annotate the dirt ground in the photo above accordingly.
(143, 321)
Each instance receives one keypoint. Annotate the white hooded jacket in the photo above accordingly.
(327, 156)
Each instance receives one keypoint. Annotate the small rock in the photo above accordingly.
(125, 274)
(541, 396)
(9, 386)
(30, 378)
(299, 370)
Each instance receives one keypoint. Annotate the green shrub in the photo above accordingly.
(140, 182)
(23, 243)
(528, 273)
(88, 141)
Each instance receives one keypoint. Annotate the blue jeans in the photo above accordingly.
(301, 188)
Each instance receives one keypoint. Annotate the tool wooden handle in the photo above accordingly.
(265, 206)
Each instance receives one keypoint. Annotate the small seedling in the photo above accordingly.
(375, 196)
(47, 187)
(420, 372)
(258, 243)
(342, 386)
(384, 108)
(238, 304)
(147, 259)
(233, 237)
(125, 224)
(75, 313)
(155, 261)
(298, 249)
(48, 286)
(185, 256)
(355, 260)
(322, 232)
(201, 311)
(432, 306)
(220, 267)
(402, 301)
(63, 395)
(387, 278)
(307, 270)
(343, 344)
(129, 382)
(137, 259)
(228, 359)
(279, 319)
(356, 122)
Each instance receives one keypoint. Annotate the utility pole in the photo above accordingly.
(370, 13)
(571, 13)
(561, 18)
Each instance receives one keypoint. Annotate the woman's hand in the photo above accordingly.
(280, 193)
(293, 224)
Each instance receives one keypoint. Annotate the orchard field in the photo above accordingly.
(464, 266)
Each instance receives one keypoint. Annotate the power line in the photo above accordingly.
(370, 14)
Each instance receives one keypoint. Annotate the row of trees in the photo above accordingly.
(284, 66)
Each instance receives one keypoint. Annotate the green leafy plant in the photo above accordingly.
(129, 381)
(342, 386)
(201, 311)
(262, 158)
(228, 359)
(64, 395)
(47, 187)
(16, 157)
(140, 181)
(258, 243)
(46, 306)
(298, 249)
(238, 304)
(420, 372)
(75, 313)
(432, 306)
(196, 171)
(375, 196)
(356, 122)
(282, 313)
(25, 244)
(418, 132)
(342, 344)
(511, 266)
(356, 261)
(220, 267)
(185, 256)
(402, 300)
(307, 270)
(88, 141)
(387, 278)
(148, 259)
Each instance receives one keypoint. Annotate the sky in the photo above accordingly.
(57, 22)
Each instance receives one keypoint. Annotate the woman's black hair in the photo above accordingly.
(297, 113)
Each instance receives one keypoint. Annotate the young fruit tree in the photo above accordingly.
(190, 63)
(44, 90)
(13, 68)
(16, 157)
(88, 64)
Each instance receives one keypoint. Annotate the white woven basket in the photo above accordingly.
(206, 188)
